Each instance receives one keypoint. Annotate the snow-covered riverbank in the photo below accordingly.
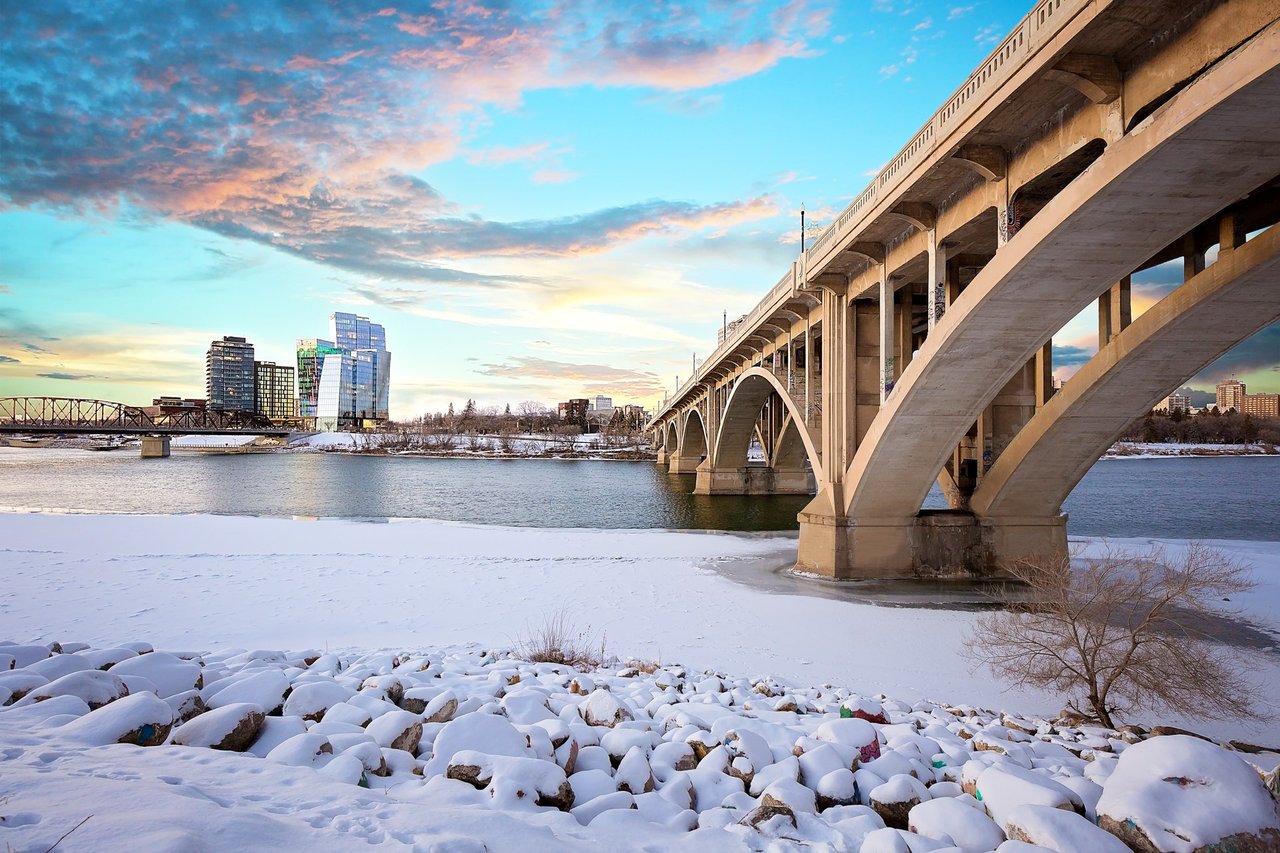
(387, 597)
(1167, 450)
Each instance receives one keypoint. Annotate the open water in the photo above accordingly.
(1211, 498)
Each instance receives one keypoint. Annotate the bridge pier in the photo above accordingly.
(662, 456)
(752, 480)
(936, 544)
(155, 446)
(684, 464)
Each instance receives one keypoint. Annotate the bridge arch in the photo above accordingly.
(742, 411)
(790, 453)
(1184, 332)
(693, 436)
(670, 437)
(1054, 268)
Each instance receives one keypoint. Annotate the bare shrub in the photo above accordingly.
(648, 667)
(476, 443)
(1124, 631)
(556, 641)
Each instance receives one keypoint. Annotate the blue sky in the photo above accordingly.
(538, 200)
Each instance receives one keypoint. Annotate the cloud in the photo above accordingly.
(686, 103)
(70, 377)
(923, 25)
(4, 359)
(309, 136)
(1257, 353)
(1199, 398)
(988, 35)
(958, 12)
(5, 290)
(552, 175)
(590, 377)
(502, 154)
(1066, 355)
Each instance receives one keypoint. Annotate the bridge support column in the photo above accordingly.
(155, 446)
(684, 464)
(752, 480)
(1007, 540)
(662, 456)
(938, 544)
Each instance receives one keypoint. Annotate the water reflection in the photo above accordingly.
(1227, 498)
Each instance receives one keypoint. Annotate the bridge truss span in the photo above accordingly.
(67, 415)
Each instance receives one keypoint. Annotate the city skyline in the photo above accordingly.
(539, 204)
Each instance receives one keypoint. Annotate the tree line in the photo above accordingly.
(527, 418)
(1208, 426)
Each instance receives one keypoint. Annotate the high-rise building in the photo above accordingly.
(1176, 401)
(601, 403)
(273, 390)
(1230, 395)
(228, 375)
(311, 355)
(1261, 405)
(345, 383)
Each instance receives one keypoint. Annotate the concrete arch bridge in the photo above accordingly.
(912, 342)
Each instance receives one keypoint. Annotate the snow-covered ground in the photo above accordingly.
(204, 442)
(595, 444)
(1162, 450)
(382, 595)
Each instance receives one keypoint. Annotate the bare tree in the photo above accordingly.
(1124, 631)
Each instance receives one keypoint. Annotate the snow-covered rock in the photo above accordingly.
(141, 719)
(170, 674)
(950, 820)
(95, 687)
(513, 780)
(1182, 794)
(312, 699)
(1060, 830)
(229, 727)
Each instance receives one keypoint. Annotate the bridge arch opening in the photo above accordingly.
(760, 409)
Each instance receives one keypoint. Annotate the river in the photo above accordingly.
(1218, 498)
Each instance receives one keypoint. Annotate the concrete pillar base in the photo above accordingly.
(684, 464)
(662, 457)
(1042, 540)
(155, 446)
(752, 480)
(936, 544)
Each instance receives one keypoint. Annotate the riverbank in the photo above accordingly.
(420, 617)
(1166, 450)
(214, 581)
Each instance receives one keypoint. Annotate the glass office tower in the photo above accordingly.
(345, 383)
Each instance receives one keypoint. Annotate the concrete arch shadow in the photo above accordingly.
(1212, 312)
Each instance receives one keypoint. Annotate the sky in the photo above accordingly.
(537, 200)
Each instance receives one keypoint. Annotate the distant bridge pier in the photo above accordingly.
(155, 447)
(753, 480)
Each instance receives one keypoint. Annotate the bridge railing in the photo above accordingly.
(1045, 20)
